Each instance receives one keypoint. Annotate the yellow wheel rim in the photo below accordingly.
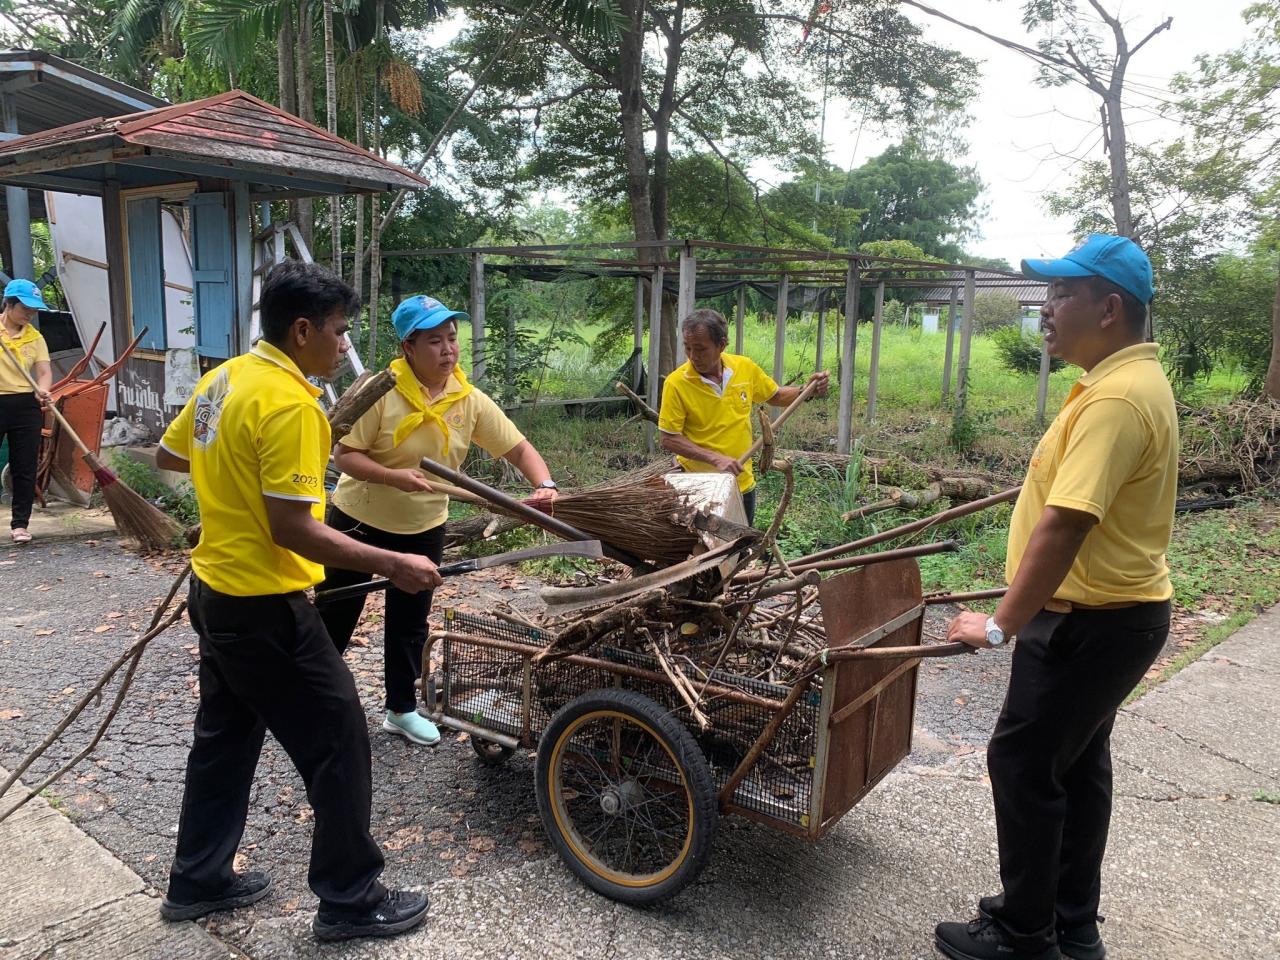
(580, 845)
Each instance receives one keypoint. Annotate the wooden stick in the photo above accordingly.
(646, 412)
(782, 418)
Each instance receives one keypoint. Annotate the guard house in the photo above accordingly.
(39, 91)
(215, 159)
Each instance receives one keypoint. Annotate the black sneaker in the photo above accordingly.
(982, 939)
(1080, 942)
(400, 910)
(248, 888)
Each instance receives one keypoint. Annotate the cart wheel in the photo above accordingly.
(493, 754)
(626, 796)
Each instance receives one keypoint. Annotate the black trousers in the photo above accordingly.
(749, 505)
(405, 628)
(1050, 761)
(21, 420)
(266, 663)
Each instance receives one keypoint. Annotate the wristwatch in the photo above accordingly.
(995, 636)
(547, 485)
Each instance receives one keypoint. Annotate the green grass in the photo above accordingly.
(1266, 796)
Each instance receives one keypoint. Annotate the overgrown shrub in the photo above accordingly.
(993, 310)
(1021, 352)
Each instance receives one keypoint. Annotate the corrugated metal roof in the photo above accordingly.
(1028, 292)
(232, 136)
(49, 91)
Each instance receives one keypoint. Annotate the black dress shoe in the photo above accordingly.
(983, 939)
(246, 889)
(1083, 941)
(399, 911)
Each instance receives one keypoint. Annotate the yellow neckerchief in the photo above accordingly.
(407, 386)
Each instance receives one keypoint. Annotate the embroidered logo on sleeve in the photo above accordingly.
(208, 411)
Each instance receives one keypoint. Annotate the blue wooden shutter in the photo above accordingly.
(211, 271)
(146, 271)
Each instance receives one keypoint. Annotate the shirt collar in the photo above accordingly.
(725, 377)
(1113, 362)
(272, 354)
(28, 334)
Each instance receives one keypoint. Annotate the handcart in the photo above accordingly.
(83, 402)
(630, 787)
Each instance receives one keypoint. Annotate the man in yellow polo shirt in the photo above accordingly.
(256, 444)
(705, 418)
(1089, 600)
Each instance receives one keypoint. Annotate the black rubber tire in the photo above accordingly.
(696, 792)
(490, 753)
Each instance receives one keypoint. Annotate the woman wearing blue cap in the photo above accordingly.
(21, 419)
(383, 499)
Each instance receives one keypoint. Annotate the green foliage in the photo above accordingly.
(179, 503)
(993, 309)
(1020, 352)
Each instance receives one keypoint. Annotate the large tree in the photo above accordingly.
(606, 117)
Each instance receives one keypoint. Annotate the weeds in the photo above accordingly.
(179, 503)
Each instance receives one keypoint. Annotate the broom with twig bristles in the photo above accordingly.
(133, 516)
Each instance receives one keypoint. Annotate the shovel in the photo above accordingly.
(575, 548)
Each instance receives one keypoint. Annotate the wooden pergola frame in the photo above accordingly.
(693, 260)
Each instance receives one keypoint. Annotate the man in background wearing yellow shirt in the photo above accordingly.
(1089, 600)
(705, 418)
(256, 444)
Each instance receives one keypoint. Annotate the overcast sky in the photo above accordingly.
(1020, 131)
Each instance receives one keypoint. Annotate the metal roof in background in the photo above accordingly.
(51, 92)
(231, 136)
(1029, 292)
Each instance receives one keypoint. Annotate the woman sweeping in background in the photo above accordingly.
(21, 419)
(383, 499)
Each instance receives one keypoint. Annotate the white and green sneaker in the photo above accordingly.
(412, 726)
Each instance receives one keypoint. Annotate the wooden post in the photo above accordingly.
(739, 318)
(780, 330)
(117, 269)
(685, 297)
(637, 322)
(848, 353)
(655, 354)
(951, 338)
(966, 337)
(873, 384)
(21, 256)
(822, 328)
(1042, 393)
(510, 360)
(242, 244)
(477, 319)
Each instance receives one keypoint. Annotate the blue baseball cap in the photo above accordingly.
(1117, 259)
(422, 313)
(28, 294)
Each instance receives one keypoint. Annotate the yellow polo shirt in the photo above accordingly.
(473, 418)
(252, 429)
(1112, 451)
(715, 421)
(30, 348)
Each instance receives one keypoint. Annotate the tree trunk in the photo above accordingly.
(1118, 157)
(375, 235)
(630, 78)
(306, 110)
(357, 261)
(1271, 385)
(288, 80)
(331, 124)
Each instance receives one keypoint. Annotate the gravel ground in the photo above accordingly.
(70, 607)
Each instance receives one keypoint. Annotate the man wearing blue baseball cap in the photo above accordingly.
(1088, 601)
(384, 500)
(21, 418)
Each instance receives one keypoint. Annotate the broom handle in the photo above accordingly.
(525, 512)
(53, 407)
(782, 418)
